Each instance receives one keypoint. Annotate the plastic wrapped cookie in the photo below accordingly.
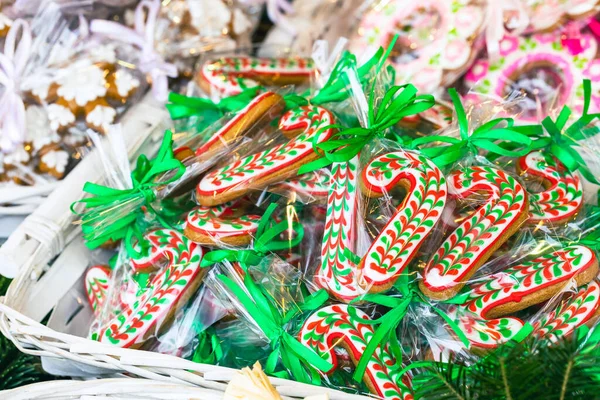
(546, 15)
(435, 41)
(543, 69)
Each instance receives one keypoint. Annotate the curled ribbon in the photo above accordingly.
(562, 141)
(12, 64)
(104, 218)
(142, 36)
(498, 136)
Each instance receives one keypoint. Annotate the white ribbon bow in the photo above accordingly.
(12, 64)
(142, 36)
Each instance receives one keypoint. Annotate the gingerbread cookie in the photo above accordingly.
(543, 69)
(469, 246)
(276, 164)
(531, 282)
(231, 75)
(220, 225)
(435, 38)
(578, 309)
(53, 160)
(166, 292)
(415, 217)
(333, 326)
(310, 186)
(562, 197)
(97, 279)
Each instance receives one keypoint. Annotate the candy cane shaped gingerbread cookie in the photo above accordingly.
(337, 274)
(582, 308)
(563, 195)
(231, 75)
(531, 282)
(97, 279)
(333, 326)
(273, 165)
(310, 186)
(504, 210)
(485, 334)
(415, 217)
(215, 225)
(168, 290)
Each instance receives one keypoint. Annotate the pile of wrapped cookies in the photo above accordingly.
(349, 193)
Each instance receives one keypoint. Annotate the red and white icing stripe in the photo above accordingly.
(217, 222)
(415, 217)
(220, 135)
(164, 291)
(265, 166)
(469, 245)
(231, 75)
(333, 326)
(570, 314)
(514, 283)
(563, 194)
(97, 280)
(337, 274)
(312, 184)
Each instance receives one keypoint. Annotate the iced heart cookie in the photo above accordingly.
(531, 282)
(503, 210)
(541, 68)
(435, 38)
(276, 164)
(231, 75)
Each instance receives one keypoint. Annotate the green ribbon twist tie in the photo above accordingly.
(209, 349)
(562, 142)
(103, 218)
(388, 323)
(267, 239)
(498, 136)
(181, 106)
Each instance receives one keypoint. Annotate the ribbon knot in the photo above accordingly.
(498, 136)
(115, 214)
(142, 36)
(12, 64)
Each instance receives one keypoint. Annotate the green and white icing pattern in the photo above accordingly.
(274, 165)
(333, 326)
(313, 184)
(97, 280)
(469, 245)
(217, 222)
(337, 274)
(571, 313)
(165, 289)
(527, 278)
(562, 197)
(231, 75)
(485, 333)
(415, 217)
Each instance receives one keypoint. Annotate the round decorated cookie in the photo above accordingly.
(333, 326)
(435, 38)
(540, 67)
(546, 15)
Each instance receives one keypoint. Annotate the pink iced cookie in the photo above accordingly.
(539, 64)
(435, 38)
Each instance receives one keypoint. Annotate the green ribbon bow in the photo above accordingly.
(388, 323)
(266, 240)
(301, 361)
(562, 142)
(209, 349)
(181, 106)
(498, 136)
(104, 217)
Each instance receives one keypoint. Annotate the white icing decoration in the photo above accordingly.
(5, 21)
(83, 85)
(125, 82)
(101, 116)
(104, 53)
(18, 156)
(241, 23)
(56, 160)
(59, 116)
(209, 18)
(38, 128)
